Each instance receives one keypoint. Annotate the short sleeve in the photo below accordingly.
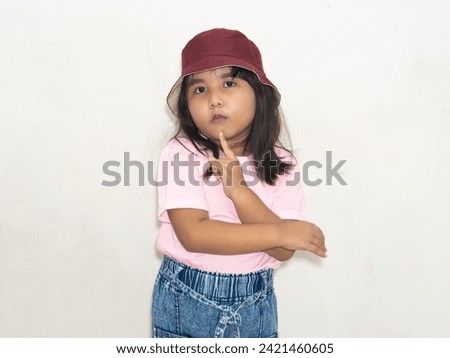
(289, 200)
(180, 180)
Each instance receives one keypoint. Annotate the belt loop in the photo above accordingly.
(268, 281)
(264, 277)
(172, 268)
(177, 269)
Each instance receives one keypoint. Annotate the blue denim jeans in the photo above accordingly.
(188, 302)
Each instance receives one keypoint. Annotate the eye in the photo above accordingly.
(229, 84)
(199, 90)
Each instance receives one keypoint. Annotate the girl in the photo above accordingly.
(231, 206)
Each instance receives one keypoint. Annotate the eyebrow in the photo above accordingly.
(194, 81)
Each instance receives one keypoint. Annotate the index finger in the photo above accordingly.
(226, 149)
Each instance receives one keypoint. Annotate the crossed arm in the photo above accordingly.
(261, 228)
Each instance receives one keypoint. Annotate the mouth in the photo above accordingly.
(217, 118)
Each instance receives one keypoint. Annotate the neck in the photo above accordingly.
(237, 145)
(237, 148)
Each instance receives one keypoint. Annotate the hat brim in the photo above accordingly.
(210, 63)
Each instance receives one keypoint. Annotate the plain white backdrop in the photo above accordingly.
(83, 82)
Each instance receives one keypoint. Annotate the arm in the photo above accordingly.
(249, 207)
(198, 233)
(252, 210)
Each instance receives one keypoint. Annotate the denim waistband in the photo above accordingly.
(216, 285)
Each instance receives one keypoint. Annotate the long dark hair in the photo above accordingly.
(264, 133)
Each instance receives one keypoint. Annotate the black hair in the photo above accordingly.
(264, 133)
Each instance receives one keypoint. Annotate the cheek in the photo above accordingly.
(197, 114)
(194, 108)
(196, 101)
(250, 108)
(254, 108)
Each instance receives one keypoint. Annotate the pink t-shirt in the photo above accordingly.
(181, 185)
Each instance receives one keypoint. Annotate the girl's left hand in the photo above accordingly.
(228, 170)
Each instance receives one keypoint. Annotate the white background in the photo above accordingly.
(83, 82)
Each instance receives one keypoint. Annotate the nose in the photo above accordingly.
(215, 99)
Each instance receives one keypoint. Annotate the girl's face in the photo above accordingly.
(220, 103)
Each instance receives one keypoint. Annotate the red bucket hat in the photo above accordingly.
(218, 48)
